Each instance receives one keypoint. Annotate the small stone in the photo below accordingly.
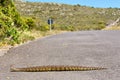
(8, 78)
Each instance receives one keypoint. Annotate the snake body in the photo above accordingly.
(54, 68)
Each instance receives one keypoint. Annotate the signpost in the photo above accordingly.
(50, 22)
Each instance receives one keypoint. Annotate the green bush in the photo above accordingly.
(12, 25)
(30, 22)
(44, 28)
(68, 28)
(13, 35)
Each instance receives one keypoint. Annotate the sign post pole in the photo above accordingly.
(50, 25)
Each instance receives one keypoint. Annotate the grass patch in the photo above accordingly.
(112, 28)
(28, 36)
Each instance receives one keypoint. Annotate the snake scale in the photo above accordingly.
(54, 68)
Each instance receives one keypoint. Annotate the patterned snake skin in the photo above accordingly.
(54, 68)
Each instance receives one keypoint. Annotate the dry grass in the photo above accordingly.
(29, 36)
(112, 28)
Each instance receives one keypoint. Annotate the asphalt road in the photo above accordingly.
(84, 48)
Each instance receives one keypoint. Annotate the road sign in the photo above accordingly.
(50, 22)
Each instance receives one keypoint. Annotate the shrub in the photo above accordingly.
(44, 28)
(30, 22)
(12, 25)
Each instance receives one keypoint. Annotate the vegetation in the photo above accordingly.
(112, 28)
(12, 25)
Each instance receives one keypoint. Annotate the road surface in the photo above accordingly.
(84, 48)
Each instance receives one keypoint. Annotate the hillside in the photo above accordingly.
(69, 17)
